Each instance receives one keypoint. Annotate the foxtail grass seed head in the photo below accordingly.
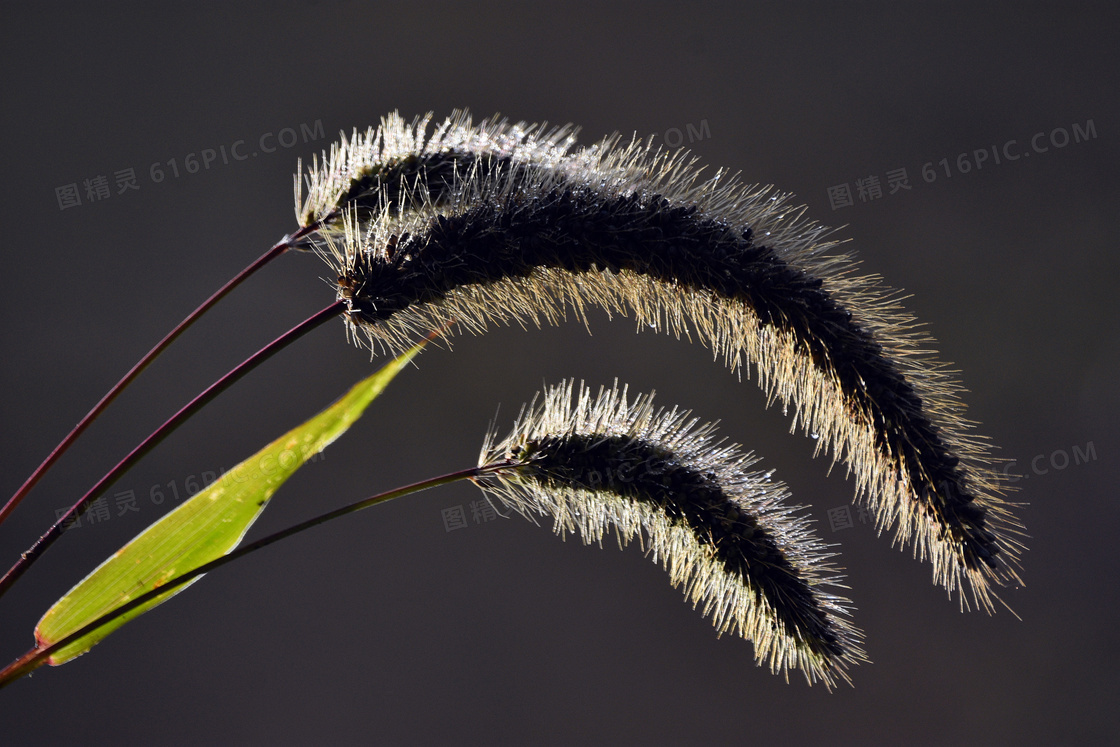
(724, 534)
(497, 223)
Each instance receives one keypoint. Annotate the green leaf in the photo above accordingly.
(205, 527)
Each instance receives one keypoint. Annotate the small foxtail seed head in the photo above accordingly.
(724, 534)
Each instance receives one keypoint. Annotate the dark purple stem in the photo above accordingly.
(277, 249)
(36, 657)
(162, 432)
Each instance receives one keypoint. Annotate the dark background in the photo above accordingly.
(386, 627)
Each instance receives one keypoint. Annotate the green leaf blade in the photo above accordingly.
(206, 526)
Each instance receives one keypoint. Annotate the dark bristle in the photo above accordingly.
(698, 501)
(574, 231)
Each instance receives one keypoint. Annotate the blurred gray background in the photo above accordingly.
(388, 628)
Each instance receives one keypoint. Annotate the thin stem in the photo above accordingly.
(162, 432)
(36, 657)
(277, 249)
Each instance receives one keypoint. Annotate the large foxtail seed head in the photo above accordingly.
(723, 533)
(477, 224)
